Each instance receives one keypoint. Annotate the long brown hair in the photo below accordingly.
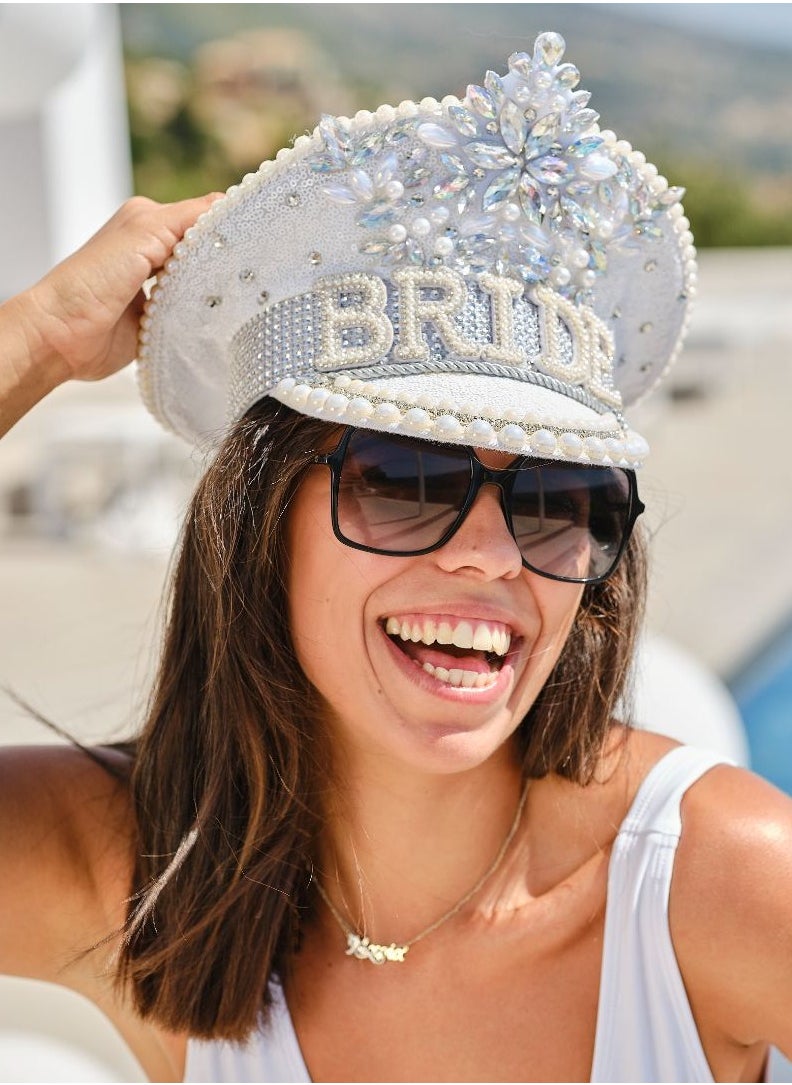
(228, 771)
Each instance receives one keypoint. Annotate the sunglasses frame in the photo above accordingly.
(480, 475)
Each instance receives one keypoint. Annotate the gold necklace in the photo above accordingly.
(361, 947)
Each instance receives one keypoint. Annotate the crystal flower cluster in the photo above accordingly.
(516, 178)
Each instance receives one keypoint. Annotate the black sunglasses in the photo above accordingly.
(403, 496)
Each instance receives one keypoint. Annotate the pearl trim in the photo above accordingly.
(435, 422)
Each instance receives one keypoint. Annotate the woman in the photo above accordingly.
(382, 822)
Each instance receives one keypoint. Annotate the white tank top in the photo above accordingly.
(645, 1027)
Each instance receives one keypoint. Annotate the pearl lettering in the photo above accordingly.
(356, 331)
(592, 345)
(416, 310)
(365, 299)
(503, 291)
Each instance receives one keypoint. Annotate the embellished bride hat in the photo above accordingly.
(495, 271)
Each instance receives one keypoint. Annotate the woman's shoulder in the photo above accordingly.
(730, 910)
(66, 846)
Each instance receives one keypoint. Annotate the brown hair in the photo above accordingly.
(227, 777)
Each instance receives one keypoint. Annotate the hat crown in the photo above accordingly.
(502, 240)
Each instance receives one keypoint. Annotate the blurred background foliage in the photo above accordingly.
(216, 89)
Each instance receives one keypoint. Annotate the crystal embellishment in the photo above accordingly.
(532, 188)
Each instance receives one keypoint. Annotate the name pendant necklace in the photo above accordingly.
(363, 949)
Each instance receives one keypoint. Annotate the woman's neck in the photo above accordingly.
(400, 849)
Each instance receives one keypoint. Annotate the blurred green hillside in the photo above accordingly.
(214, 89)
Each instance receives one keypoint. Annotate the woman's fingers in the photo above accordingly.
(85, 311)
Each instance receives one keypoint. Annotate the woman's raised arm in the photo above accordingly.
(80, 321)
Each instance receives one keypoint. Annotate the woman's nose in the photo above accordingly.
(483, 543)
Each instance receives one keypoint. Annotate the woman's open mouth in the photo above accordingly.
(458, 652)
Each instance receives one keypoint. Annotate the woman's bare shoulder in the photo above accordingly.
(731, 903)
(66, 840)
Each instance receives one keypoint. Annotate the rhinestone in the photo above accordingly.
(247, 276)
(490, 156)
(584, 146)
(218, 241)
(214, 301)
(482, 102)
(450, 187)
(502, 189)
(376, 214)
(567, 76)
(521, 64)
(549, 169)
(293, 199)
(494, 84)
(647, 327)
(464, 121)
(549, 48)
(263, 297)
(315, 258)
(647, 229)
(361, 184)
(650, 265)
(340, 194)
(513, 126)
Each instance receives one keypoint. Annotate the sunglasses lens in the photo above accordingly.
(569, 520)
(397, 496)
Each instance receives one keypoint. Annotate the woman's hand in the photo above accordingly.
(80, 321)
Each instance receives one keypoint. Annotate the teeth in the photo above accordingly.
(481, 636)
(466, 679)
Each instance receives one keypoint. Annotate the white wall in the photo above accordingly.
(64, 140)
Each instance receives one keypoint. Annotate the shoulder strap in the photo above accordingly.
(645, 1027)
(657, 803)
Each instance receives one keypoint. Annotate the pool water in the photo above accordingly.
(763, 691)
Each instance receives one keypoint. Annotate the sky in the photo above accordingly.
(763, 24)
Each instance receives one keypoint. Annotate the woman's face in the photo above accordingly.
(387, 640)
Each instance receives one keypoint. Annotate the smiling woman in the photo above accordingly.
(384, 791)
